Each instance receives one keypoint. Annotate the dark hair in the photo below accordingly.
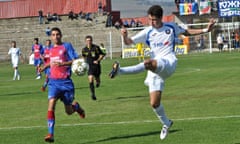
(56, 29)
(14, 41)
(49, 40)
(36, 39)
(155, 10)
(89, 37)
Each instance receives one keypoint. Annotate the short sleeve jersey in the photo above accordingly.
(15, 53)
(92, 53)
(46, 56)
(38, 50)
(161, 40)
(61, 53)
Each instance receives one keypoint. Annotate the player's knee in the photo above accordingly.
(69, 112)
(155, 104)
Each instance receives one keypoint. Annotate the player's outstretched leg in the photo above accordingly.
(115, 69)
(78, 109)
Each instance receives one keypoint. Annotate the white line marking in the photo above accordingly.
(123, 122)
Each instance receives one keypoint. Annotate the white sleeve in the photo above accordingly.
(9, 51)
(141, 37)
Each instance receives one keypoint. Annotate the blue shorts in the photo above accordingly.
(47, 71)
(37, 62)
(63, 89)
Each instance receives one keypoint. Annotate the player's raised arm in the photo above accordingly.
(126, 39)
(209, 27)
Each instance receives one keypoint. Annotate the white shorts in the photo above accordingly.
(165, 68)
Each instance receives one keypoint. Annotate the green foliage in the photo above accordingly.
(202, 98)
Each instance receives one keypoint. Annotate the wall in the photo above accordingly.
(28, 8)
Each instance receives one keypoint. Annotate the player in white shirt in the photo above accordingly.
(160, 37)
(15, 53)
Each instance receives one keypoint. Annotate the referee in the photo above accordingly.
(93, 55)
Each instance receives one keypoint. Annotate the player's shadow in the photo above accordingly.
(85, 87)
(20, 93)
(123, 98)
(131, 136)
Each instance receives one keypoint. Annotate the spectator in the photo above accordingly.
(117, 25)
(125, 24)
(55, 17)
(109, 20)
(40, 15)
(48, 31)
(132, 23)
(237, 39)
(233, 40)
(88, 17)
(220, 42)
(139, 23)
(100, 8)
(80, 14)
(71, 15)
(200, 43)
(49, 17)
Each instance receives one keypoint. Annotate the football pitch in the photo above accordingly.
(202, 98)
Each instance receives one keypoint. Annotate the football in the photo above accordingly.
(79, 67)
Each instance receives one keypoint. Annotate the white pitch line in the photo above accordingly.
(124, 122)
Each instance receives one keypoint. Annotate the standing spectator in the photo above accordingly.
(200, 43)
(60, 84)
(37, 50)
(46, 61)
(40, 15)
(15, 53)
(109, 20)
(100, 8)
(220, 42)
(160, 37)
(93, 55)
(237, 39)
(233, 40)
(48, 31)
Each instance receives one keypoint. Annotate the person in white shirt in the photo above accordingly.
(220, 42)
(16, 54)
(160, 37)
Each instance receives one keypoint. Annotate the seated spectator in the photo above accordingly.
(139, 24)
(56, 17)
(88, 17)
(72, 16)
(80, 14)
(125, 24)
(49, 17)
(132, 23)
(48, 31)
(117, 25)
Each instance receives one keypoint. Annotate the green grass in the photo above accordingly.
(202, 98)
